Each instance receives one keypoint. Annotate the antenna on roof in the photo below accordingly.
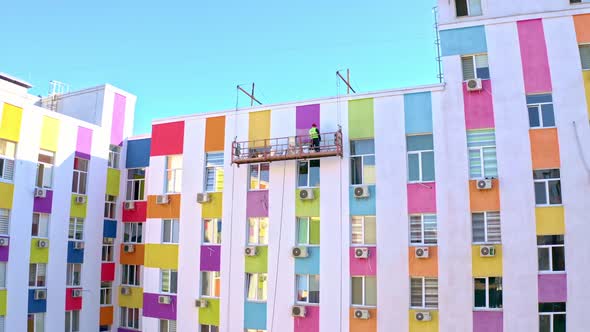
(346, 80)
(249, 94)
(437, 45)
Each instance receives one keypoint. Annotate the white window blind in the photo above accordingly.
(4, 221)
(482, 153)
(486, 227)
(585, 56)
(423, 229)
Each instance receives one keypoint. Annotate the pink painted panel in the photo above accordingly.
(421, 197)
(118, 123)
(533, 53)
(306, 116)
(361, 266)
(479, 109)
(73, 303)
(257, 203)
(84, 143)
(309, 323)
(488, 321)
(552, 288)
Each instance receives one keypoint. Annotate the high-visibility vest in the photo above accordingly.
(313, 133)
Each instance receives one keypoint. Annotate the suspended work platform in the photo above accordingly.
(286, 148)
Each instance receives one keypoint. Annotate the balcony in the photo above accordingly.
(286, 148)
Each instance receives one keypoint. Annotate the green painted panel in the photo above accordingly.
(314, 231)
(210, 315)
(39, 255)
(308, 208)
(3, 302)
(361, 119)
(258, 263)
(76, 209)
(113, 181)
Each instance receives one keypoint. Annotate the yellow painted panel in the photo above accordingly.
(430, 326)
(213, 208)
(49, 134)
(550, 220)
(11, 121)
(3, 302)
(259, 127)
(486, 266)
(586, 76)
(135, 300)
(6, 195)
(162, 256)
(113, 181)
(77, 210)
(39, 255)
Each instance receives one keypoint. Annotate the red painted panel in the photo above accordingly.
(107, 272)
(138, 213)
(73, 303)
(533, 52)
(167, 139)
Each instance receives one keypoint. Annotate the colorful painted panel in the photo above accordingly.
(259, 128)
(544, 148)
(137, 214)
(255, 315)
(138, 153)
(84, 143)
(305, 117)
(421, 197)
(550, 220)
(479, 109)
(163, 256)
(363, 266)
(486, 266)
(423, 267)
(75, 255)
(533, 52)
(6, 195)
(210, 314)
(134, 300)
(463, 41)
(258, 263)
(484, 200)
(170, 210)
(106, 315)
(11, 122)
(132, 258)
(151, 307)
(39, 255)
(113, 181)
(418, 113)
(310, 207)
(210, 258)
(118, 123)
(73, 303)
(309, 323)
(309, 264)
(552, 288)
(488, 321)
(363, 206)
(36, 305)
(49, 134)
(361, 118)
(257, 203)
(213, 209)
(107, 271)
(43, 204)
(4, 251)
(215, 134)
(167, 139)
(430, 326)
(364, 325)
(109, 228)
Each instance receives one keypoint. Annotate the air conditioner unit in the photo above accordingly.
(484, 184)
(40, 193)
(80, 199)
(306, 194)
(4, 241)
(42, 243)
(125, 290)
(78, 245)
(361, 192)
(362, 314)
(201, 303)
(361, 253)
(421, 252)
(129, 248)
(162, 199)
(76, 293)
(423, 316)
(474, 84)
(487, 251)
(299, 252)
(40, 294)
(163, 299)
(298, 311)
(203, 198)
(129, 205)
(250, 251)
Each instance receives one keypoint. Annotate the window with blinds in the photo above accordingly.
(7, 155)
(486, 227)
(173, 174)
(424, 292)
(4, 221)
(585, 56)
(214, 172)
(482, 154)
(423, 229)
(168, 281)
(167, 325)
(170, 230)
(475, 66)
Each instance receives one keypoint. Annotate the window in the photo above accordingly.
(167, 325)
(130, 275)
(168, 281)
(209, 328)
(110, 206)
(40, 225)
(308, 288)
(468, 7)
(170, 231)
(135, 184)
(132, 232)
(308, 231)
(4, 221)
(37, 275)
(258, 231)
(173, 174)
(585, 54)
(35, 322)
(7, 155)
(540, 109)
(80, 176)
(547, 187)
(214, 172)
(114, 156)
(2, 319)
(423, 229)
(552, 317)
(550, 249)
(106, 293)
(363, 230)
(362, 162)
(308, 175)
(488, 293)
(74, 274)
(210, 283)
(130, 318)
(424, 292)
(76, 229)
(73, 321)
(2, 275)
(420, 158)
(256, 288)
(211, 231)
(258, 176)
(482, 154)
(108, 249)
(486, 227)
(364, 291)
(475, 66)
(45, 169)
(104, 328)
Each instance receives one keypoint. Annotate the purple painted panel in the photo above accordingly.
(552, 288)
(487, 321)
(151, 307)
(305, 117)
(257, 204)
(43, 205)
(84, 143)
(118, 120)
(4, 252)
(210, 258)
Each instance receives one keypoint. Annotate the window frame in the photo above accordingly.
(308, 176)
(106, 293)
(133, 322)
(552, 314)
(364, 292)
(474, 63)
(420, 173)
(3, 270)
(43, 218)
(35, 317)
(216, 235)
(172, 289)
(212, 285)
(482, 168)
(423, 292)
(134, 186)
(71, 317)
(108, 250)
(539, 107)
(546, 181)
(5, 218)
(259, 177)
(75, 226)
(487, 292)
(422, 242)
(209, 328)
(258, 228)
(132, 228)
(257, 294)
(215, 169)
(549, 248)
(37, 284)
(308, 220)
(6, 159)
(174, 225)
(585, 45)
(169, 328)
(78, 174)
(363, 233)
(173, 175)
(362, 156)
(468, 6)
(110, 206)
(114, 157)
(307, 289)
(131, 279)
(71, 270)
(486, 228)
(41, 165)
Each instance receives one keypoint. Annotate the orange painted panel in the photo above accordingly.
(582, 24)
(215, 134)
(132, 258)
(363, 325)
(424, 267)
(170, 210)
(106, 315)
(544, 148)
(484, 200)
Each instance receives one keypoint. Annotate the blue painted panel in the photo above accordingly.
(138, 153)
(255, 315)
(75, 255)
(418, 112)
(36, 306)
(363, 206)
(463, 41)
(309, 264)
(419, 142)
(109, 228)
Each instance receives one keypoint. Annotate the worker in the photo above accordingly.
(314, 135)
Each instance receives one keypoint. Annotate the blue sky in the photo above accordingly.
(186, 56)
